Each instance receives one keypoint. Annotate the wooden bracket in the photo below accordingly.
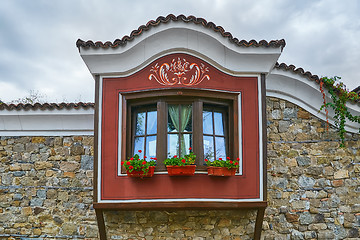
(101, 223)
(259, 222)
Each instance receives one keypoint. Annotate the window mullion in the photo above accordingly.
(214, 139)
(179, 135)
(198, 142)
(161, 139)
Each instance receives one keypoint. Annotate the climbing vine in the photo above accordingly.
(339, 96)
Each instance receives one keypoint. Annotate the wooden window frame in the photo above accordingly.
(198, 98)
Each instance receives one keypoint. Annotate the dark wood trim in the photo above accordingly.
(161, 141)
(198, 147)
(180, 92)
(264, 134)
(179, 205)
(96, 143)
(259, 222)
(101, 223)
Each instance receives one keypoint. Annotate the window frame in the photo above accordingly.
(198, 98)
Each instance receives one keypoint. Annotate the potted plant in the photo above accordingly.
(178, 166)
(222, 168)
(136, 167)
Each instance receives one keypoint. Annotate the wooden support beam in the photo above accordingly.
(259, 223)
(101, 223)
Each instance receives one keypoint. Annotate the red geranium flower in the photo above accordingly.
(228, 158)
(132, 158)
(155, 158)
(175, 156)
(236, 163)
(144, 156)
(183, 160)
(231, 162)
(206, 160)
(144, 162)
(238, 159)
(190, 148)
(139, 151)
(131, 167)
(220, 158)
(128, 163)
(122, 163)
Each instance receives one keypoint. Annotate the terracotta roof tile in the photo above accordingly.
(46, 106)
(190, 19)
(299, 71)
(306, 74)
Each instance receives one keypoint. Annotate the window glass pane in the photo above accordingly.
(150, 147)
(186, 118)
(209, 148)
(219, 123)
(173, 145)
(173, 118)
(185, 143)
(139, 145)
(151, 122)
(140, 123)
(220, 147)
(207, 122)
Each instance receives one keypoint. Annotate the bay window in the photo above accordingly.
(168, 125)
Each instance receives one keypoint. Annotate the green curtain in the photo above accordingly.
(185, 113)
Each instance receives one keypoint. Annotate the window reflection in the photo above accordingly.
(214, 141)
(145, 133)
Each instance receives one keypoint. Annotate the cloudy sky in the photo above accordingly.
(38, 52)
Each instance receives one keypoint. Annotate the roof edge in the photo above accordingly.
(190, 19)
(46, 106)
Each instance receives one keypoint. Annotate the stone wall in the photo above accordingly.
(313, 189)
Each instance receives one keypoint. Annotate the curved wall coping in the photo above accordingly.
(180, 37)
(306, 94)
(56, 122)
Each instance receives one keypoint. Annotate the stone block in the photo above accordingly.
(292, 217)
(276, 114)
(337, 183)
(31, 147)
(15, 167)
(317, 226)
(69, 228)
(19, 147)
(289, 113)
(87, 162)
(42, 165)
(296, 235)
(76, 149)
(303, 114)
(291, 162)
(284, 126)
(92, 232)
(341, 174)
(69, 166)
(36, 202)
(306, 182)
(353, 233)
(41, 193)
(305, 218)
(326, 235)
(303, 161)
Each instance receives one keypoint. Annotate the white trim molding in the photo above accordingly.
(306, 94)
(55, 122)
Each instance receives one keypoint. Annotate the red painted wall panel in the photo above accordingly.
(161, 186)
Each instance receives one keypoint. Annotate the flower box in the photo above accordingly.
(221, 171)
(187, 170)
(140, 174)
